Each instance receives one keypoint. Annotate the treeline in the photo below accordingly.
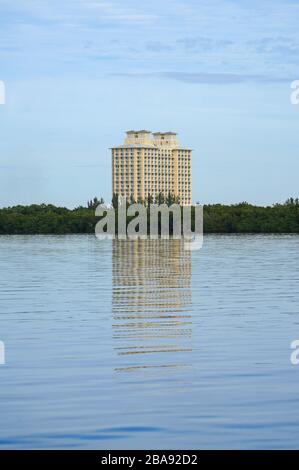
(218, 218)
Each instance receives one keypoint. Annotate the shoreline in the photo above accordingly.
(218, 219)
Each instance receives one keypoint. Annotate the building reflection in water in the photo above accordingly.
(151, 304)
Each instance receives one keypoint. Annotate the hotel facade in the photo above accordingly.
(150, 164)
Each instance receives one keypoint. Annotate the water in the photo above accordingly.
(144, 345)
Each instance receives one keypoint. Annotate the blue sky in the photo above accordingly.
(78, 73)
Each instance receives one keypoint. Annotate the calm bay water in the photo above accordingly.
(144, 345)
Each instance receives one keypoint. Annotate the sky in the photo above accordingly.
(79, 73)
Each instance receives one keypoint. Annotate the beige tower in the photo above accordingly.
(149, 164)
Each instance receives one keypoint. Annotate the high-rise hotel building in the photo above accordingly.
(151, 163)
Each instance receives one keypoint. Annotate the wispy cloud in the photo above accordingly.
(196, 43)
(152, 36)
(207, 78)
(78, 10)
(190, 44)
(158, 46)
(277, 49)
